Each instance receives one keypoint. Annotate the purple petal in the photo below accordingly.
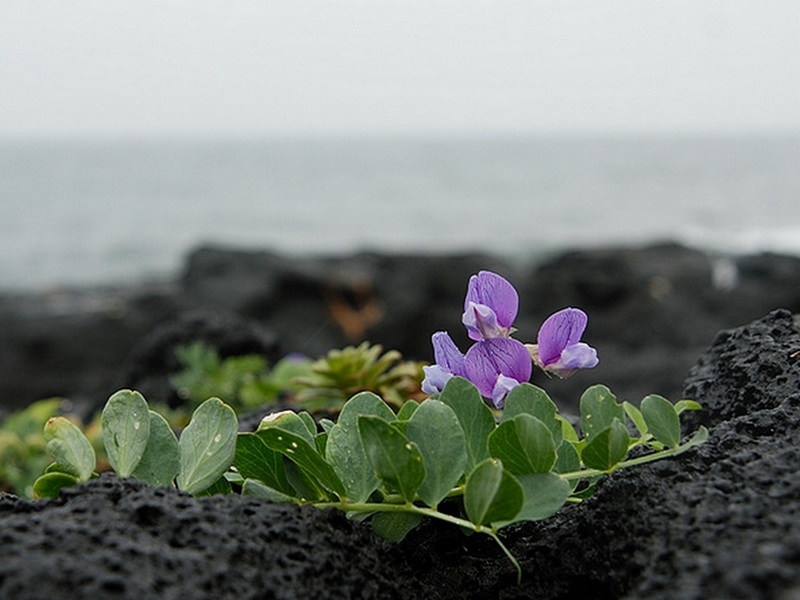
(488, 359)
(579, 356)
(481, 322)
(502, 386)
(492, 290)
(435, 379)
(560, 330)
(446, 353)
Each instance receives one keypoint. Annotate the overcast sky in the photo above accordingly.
(299, 67)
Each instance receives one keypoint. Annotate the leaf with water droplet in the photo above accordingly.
(161, 460)
(344, 450)
(207, 446)
(126, 430)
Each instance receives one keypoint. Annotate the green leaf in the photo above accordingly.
(408, 408)
(544, 493)
(492, 494)
(396, 461)
(69, 447)
(306, 487)
(50, 485)
(344, 450)
(607, 448)
(256, 461)
(475, 417)
(527, 399)
(207, 445)
(700, 437)
(161, 461)
(303, 454)
(599, 408)
(309, 422)
(635, 415)
(126, 429)
(253, 487)
(221, 487)
(567, 430)
(524, 444)
(394, 526)
(435, 429)
(568, 461)
(288, 420)
(662, 420)
(683, 405)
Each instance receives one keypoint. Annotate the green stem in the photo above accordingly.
(639, 460)
(368, 507)
(425, 512)
(510, 556)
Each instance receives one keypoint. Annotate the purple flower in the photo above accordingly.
(449, 362)
(559, 350)
(490, 307)
(497, 365)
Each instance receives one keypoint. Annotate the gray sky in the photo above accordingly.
(263, 67)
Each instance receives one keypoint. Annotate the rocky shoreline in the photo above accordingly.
(652, 311)
(720, 521)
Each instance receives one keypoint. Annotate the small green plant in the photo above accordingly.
(140, 443)
(447, 458)
(22, 446)
(343, 373)
(246, 382)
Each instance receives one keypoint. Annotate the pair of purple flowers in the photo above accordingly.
(496, 362)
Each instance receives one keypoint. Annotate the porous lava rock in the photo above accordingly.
(719, 521)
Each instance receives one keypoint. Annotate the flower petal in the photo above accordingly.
(446, 353)
(579, 356)
(560, 330)
(481, 322)
(488, 359)
(494, 291)
(502, 387)
(435, 379)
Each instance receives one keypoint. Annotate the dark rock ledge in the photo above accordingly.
(721, 521)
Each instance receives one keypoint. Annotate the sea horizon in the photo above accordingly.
(113, 211)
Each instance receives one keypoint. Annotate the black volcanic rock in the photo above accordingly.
(719, 521)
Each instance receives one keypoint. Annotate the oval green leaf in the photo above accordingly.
(544, 493)
(524, 444)
(598, 407)
(50, 485)
(344, 450)
(69, 447)
(394, 459)
(126, 430)
(492, 494)
(161, 461)
(435, 429)
(607, 448)
(475, 417)
(207, 446)
(662, 420)
(528, 399)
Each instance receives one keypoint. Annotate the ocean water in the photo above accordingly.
(94, 213)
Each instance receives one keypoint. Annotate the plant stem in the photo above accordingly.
(639, 460)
